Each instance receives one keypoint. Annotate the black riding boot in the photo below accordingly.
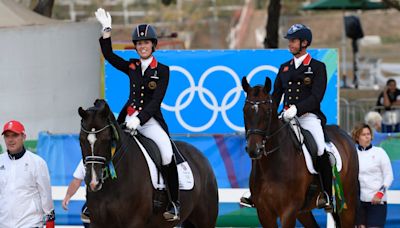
(325, 172)
(246, 201)
(170, 174)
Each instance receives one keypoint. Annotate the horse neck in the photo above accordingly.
(128, 157)
(280, 138)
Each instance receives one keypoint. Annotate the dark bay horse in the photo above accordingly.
(127, 201)
(279, 179)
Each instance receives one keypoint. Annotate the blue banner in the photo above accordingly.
(205, 93)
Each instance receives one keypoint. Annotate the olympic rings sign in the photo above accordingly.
(202, 91)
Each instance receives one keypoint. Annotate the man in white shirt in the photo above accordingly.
(25, 191)
(79, 176)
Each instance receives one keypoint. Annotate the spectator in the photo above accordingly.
(374, 120)
(25, 191)
(389, 96)
(79, 176)
(387, 99)
(375, 177)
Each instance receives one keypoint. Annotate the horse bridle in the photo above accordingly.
(264, 133)
(93, 159)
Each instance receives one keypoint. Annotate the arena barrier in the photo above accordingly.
(231, 166)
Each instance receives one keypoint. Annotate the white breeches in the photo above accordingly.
(152, 129)
(312, 123)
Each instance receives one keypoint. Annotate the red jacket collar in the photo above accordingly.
(153, 63)
(307, 60)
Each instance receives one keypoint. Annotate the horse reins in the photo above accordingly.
(264, 133)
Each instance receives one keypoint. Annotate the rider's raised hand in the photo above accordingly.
(290, 113)
(104, 18)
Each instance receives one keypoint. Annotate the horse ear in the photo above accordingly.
(82, 113)
(245, 84)
(267, 85)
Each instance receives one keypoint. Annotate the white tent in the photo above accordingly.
(48, 68)
(13, 14)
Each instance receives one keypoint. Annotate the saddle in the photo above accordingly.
(302, 136)
(154, 152)
(152, 155)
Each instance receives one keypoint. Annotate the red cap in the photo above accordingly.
(14, 126)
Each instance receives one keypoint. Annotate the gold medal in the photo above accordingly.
(152, 85)
(307, 81)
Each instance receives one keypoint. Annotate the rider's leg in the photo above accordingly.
(312, 123)
(154, 131)
(170, 175)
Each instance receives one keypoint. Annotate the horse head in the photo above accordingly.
(260, 113)
(97, 138)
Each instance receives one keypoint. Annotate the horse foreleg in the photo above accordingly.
(288, 219)
(307, 219)
(267, 218)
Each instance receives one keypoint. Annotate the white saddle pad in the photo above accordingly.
(185, 175)
(331, 148)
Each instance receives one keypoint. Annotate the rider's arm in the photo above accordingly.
(108, 53)
(278, 89)
(313, 101)
(155, 104)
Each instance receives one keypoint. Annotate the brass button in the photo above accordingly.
(133, 85)
(290, 83)
(297, 98)
(142, 94)
(297, 90)
(290, 98)
(298, 83)
(142, 87)
(140, 108)
(289, 90)
(134, 106)
(141, 101)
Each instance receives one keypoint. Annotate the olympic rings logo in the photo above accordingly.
(202, 92)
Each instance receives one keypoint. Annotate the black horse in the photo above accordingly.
(129, 200)
(279, 179)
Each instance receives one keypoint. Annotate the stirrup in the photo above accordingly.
(172, 214)
(85, 218)
(324, 202)
(246, 202)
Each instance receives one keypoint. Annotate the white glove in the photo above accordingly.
(104, 18)
(133, 123)
(290, 113)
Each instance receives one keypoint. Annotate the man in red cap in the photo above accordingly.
(25, 191)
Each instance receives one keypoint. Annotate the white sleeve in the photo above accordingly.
(44, 188)
(80, 171)
(386, 168)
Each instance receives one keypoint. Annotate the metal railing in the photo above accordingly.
(354, 112)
